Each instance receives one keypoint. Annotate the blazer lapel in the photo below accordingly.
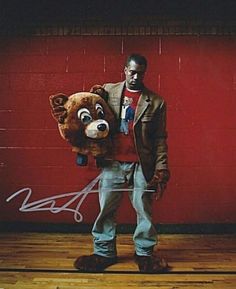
(143, 103)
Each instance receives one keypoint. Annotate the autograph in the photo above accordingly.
(50, 203)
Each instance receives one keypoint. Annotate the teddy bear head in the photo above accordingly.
(84, 120)
(127, 101)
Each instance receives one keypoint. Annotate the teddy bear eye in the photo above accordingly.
(84, 115)
(100, 111)
(86, 118)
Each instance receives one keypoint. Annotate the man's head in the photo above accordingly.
(135, 69)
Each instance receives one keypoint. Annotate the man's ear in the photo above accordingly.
(57, 103)
(98, 89)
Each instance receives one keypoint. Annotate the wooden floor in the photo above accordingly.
(45, 260)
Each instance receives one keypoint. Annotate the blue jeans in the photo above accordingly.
(124, 126)
(114, 179)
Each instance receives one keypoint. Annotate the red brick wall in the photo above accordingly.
(196, 76)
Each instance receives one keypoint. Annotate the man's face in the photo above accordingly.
(134, 75)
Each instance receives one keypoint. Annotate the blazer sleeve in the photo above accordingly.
(161, 139)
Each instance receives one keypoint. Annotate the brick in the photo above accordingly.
(35, 138)
(17, 119)
(65, 45)
(33, 155)
(86, 63)
(64, 82)
(186, 138)
(38, 45)
(140, 44)
(35, 64)
(217, 63)
(217, 117)
(184, 206)
(188, 63)
(184, 156)
(217, 44)
(222, 139)
(27, 45)
(27, 81)
(47, 175)
(182, 92)
(152, 81)
(114, 63)
(212, 176)
(3, 62)
(100, 78)
(167, 63)
(127, 214)
(217, 55)
(180, 45)
(57, 153)
(103, 45)
(24, 100)
(184, 176)
(4, 81)
(179, 119)
(38, 101)
(218, 155)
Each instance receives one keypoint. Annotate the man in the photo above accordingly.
(139, 163)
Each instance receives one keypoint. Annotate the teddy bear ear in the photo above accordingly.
(98, 89)
(57, 103)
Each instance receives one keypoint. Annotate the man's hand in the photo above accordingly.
(158, 183)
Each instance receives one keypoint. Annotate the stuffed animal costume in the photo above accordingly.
(85, 121)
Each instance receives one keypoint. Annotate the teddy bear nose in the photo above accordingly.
(101, 127)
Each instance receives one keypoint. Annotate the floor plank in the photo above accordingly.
(45, 260)
(78, 280)
(58, 251)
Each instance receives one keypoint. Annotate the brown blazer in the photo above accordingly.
(149, 127)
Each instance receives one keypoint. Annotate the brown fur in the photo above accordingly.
(72, 129)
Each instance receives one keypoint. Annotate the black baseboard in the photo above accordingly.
(222, 228)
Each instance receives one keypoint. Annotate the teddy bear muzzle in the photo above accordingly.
(97, 129)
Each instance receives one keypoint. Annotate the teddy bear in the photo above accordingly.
(127, 114)
(85, 121)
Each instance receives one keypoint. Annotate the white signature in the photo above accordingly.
(49, 204)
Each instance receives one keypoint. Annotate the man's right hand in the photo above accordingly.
(158, 183)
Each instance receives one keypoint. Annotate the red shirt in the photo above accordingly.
(124, 147)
